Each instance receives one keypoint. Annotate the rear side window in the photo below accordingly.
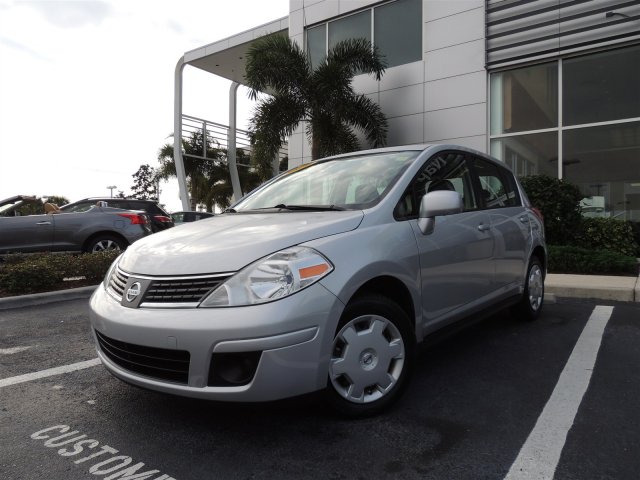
(497, 185)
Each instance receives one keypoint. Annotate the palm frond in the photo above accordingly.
(352, 57)
(277, 63)
(274, 120)
(364, 114)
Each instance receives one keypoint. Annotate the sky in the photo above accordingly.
(86, 87)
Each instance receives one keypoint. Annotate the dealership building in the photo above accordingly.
(547, 86)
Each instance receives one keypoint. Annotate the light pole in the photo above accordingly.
(111, 189)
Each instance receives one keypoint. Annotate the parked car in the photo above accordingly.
(93, 229)
(160, 219)
(182, 217)
(324, 278)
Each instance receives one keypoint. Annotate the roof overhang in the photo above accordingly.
(226, 58)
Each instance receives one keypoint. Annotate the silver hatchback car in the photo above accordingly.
(324, 278)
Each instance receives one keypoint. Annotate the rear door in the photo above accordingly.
(509, 222)
(456, 260)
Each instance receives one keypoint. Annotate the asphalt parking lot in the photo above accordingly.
(501, 399)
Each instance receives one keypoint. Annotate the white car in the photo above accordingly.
(324, 278)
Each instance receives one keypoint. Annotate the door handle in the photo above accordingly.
(483, 228)
(43, 223)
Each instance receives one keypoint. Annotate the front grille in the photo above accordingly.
(158, 363)
(118, 281)
(165, 292)
(181, 290)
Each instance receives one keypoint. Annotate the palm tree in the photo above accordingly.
(208, 180)
(322, 96)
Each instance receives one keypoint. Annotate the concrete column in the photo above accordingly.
(177, 137)
(231, 143)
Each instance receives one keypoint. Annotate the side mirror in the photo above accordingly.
(436, 204)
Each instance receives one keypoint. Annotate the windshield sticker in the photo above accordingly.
(431, 169)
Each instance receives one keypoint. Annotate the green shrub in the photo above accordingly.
(20, 274)
(559, 202)
(565, 259)
(635, 227)
(607, 234)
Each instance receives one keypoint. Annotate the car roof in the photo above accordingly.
(113, 199)
(429, 148)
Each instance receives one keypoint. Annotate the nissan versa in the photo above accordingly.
(324, 278)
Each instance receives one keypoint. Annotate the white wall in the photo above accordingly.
(442, 98)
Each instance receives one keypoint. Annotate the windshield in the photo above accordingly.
(342, 183)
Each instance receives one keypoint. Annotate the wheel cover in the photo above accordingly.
(367, 359)
(535, 287)
(105, 245)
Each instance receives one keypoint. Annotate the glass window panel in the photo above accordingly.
(317, 44)
(605, 163)
(524, 99)
(353, 26)
(446, 171)
(398, 31)
(601, 87)
(535, 154)
(493, 189)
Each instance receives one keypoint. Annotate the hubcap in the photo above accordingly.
(106, 245)
(535, 287)
(367, 359)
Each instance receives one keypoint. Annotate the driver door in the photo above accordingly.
(29, 233)
(456, 259)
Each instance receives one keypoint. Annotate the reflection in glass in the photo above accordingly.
(601, 87)
(317, 44)
(353, 26)
(399, 48)
(524, 99)
(605, 163)
(346, 182)
(534, 154)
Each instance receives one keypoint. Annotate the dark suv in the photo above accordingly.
(160, 219)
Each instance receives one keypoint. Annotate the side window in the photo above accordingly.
(444, 171)
(497, 186)
(80, 207)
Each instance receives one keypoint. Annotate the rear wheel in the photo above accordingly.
(371, 356)
(530, 305)
(105, 242)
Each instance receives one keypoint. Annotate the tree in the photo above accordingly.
(322, 96)
(58, 200)
(145, 186)
(208, 179)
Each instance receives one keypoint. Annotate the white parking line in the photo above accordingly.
(11, 351)
(5, 382)
(540, 454)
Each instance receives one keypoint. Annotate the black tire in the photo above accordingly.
(105, 242)
(532, 301)
(374, 344)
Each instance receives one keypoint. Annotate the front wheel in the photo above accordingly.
(371, 356)
(530, 305)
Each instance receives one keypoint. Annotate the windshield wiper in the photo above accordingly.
(310, 208)
(229, 210)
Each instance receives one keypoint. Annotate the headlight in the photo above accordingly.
(105, 281)
(277, 276)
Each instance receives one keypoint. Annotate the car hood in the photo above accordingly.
(226, 243)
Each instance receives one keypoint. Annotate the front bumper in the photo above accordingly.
(293, 335)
